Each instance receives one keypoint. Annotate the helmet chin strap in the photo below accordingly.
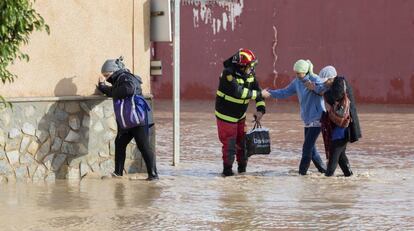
(249, 70)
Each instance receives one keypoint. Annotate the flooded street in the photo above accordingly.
(270, 196)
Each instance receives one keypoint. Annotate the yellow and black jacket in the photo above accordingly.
(234, 93)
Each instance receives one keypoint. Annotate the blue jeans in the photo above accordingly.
(309, 151)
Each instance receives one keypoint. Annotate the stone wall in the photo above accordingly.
(61, 138)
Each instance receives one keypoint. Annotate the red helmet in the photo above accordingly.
(245, 57)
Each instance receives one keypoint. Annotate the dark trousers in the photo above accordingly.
(142, 141)
(338, 156)
(309, 151)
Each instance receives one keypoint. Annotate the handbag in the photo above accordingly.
(340, 111)
(258, 140)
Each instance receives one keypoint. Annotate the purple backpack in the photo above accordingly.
(131, 111)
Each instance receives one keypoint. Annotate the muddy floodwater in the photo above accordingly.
(270, 196)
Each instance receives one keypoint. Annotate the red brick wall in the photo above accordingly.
(370, 42)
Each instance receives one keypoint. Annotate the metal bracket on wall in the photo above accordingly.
(157, 13)
(156, 67)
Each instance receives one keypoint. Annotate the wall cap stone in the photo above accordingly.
(64, 98)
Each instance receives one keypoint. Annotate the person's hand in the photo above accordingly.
(265, 93)
(101, 79)
(309, 85)
(258, 116)
(328, 107)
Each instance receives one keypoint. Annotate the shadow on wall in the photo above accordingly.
(82, 138)
(66, 87)
(66, 125)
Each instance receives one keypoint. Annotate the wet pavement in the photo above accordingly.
(270, 196)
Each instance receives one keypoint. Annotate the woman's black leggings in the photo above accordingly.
(338, 156)
(142, 141)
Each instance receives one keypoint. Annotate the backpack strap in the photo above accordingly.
(146, 109)
(131, 78)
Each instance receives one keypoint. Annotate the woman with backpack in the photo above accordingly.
(127, 86)
(340, 124)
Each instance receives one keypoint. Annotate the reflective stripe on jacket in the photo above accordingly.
(233, 96)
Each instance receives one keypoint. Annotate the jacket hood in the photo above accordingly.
(234, 68)
(228, 62)
(115, 76)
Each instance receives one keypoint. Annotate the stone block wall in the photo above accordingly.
(61, 138)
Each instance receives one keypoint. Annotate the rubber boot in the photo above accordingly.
(227, 170)
(152, 177)
(242, 167)
(152, 174)
(347, 172)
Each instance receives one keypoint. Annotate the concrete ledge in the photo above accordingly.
(64, 98)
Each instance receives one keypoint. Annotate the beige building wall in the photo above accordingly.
(83, 34)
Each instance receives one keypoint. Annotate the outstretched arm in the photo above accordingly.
(314, 83)
(285, 92)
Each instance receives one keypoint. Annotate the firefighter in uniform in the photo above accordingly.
(238, 85)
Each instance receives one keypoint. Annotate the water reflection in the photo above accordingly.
(269, 196)
(323, 202)
(236, 210)
(119, 195)
(63, 195)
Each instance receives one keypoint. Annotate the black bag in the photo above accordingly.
(258, 140)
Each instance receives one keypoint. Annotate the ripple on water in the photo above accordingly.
(271, 195)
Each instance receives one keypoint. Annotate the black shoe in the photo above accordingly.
(153, 177)
(241, 168)
(227, 171)
(116, 175)
(302, 173)
(348, 173)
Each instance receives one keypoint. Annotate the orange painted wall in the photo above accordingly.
(83, 34)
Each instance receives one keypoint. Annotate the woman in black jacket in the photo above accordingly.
(125, 84)
(343, 123)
